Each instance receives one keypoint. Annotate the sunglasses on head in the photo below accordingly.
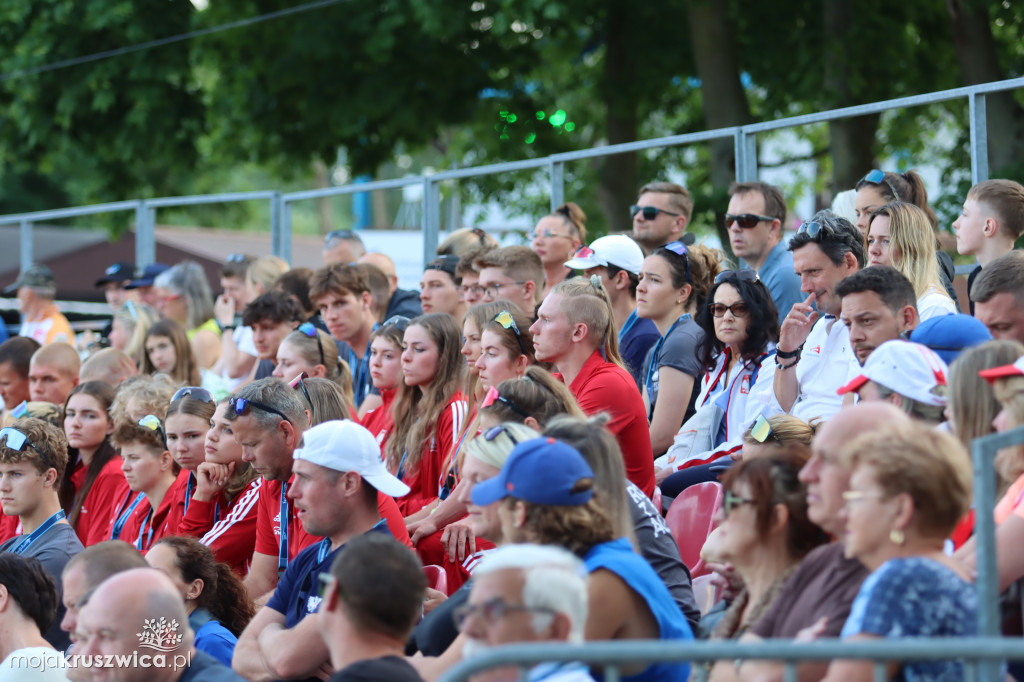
(339, 234)
(495, 431)
(492, 396)
(16, 440)
(812, 228)
(746, 220)
(761, 431)
(152, 422)
(400, 322)
(740, 275)
(297, 383)
(505, 319)
(649, 212)
(236, 258)
(679, 248)
(194, 392)
(310, 330)
(241, 405)
(877, 177)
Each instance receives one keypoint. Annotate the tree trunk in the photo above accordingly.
(323, 204)
(976, 52)
(723, 98)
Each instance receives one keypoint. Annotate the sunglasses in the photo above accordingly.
(194, 392)
(492, 611)
(746, 220)
(813, 228)
(761, 431)
(236, 258)
(401, 322)
(297, 383)
(496, 431)
(339, 234)
(649, 212)
(152, 422)
(505, 319)
(16, 440)
(492, 396)
(741, 275)
(877, 177)
(731, 501)
(720, 309)
(679, 249)
(240, 405)
(20, 410)
(309, 330)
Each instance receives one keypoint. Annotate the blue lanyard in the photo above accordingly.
(325, 549)
(653, 366)
(628, 326)
(216, 512)
(115, 533)
(282, 550)
(360, 373)
(148, 520)
(400, 474)
(27, 541)
(190, 485)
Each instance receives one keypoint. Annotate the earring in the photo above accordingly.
(897, 536)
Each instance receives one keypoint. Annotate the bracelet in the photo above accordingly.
(787, 354)
(226, 327)
(779, 365)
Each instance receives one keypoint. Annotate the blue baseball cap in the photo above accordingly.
(540, 471)
(950, 335)
(146, 277)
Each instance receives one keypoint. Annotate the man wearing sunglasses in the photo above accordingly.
(814, 357)
(660, 214)
(337, 475)
(272, 316)
(754, 220)
(342, 246)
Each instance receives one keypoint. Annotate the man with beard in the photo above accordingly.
(878, 305)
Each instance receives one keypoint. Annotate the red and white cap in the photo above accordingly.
(906, 368)
(615, 249)
(1014, 370)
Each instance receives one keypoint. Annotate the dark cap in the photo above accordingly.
(444, 263)
(36, 275)
(146, 277)
(118, 272)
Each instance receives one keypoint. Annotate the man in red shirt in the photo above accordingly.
(574, 331)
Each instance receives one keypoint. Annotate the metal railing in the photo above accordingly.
(744, 142)
(984, 653)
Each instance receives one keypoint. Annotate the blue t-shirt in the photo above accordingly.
(637, 336)
(618, 557)
(212, 637)
(916, 597)
(779, 277)
(296, 594)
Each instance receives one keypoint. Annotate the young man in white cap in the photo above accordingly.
(337, 473)
(906, 374)
(616, 259)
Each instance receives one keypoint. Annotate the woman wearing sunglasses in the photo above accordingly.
(674, 283)
(555, 239)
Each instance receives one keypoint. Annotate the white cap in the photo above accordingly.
(344, 445)
(615, 249)
(906, 368)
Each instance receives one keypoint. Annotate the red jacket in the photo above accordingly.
(228, 529)
(103, 499)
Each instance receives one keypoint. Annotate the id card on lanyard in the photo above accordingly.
(115, 533)
(653, 366)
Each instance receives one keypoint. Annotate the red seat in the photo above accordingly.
(691, 518)
(436, 578)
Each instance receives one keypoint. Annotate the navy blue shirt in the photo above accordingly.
(641, 334)
(296, 593)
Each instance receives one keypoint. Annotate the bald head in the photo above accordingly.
(109, 365)
(856, 419)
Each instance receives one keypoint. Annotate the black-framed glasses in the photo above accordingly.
(400, 322)
(761, 431)
(648, 212)
(16, 440)
(505, 319)
(741, 275)
(679, 248)
(877, 177)
(492, 396)
(298, 383)
(494, 290)
(152, 422)
(738, 309)
(195, 392)
(309, 329)
(812, 228)
(731, 501)
(746, 220)
(475, 289)
(495, 431)
(493, 610)
(240, 405)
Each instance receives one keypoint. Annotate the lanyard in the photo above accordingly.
(190, 485)
(628, 326)
(216, 511)
(400, 474)
(723, 372)
(360, 372)
(282, 551)
(148, 520)
(652, 367)
(27, 541)
(325, 549)
(115, 533)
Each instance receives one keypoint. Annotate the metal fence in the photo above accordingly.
(744, 141)
(983, 654)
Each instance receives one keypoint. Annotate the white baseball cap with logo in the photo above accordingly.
(906, 368)
(344, 445)
(615, 249)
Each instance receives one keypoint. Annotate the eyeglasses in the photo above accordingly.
(813, 228)
(323, 583)
(877, 177)
(474, 289)
(679, 249)
(731, 501)
(16, 440)
(859, 495)
(492, 396)
(309, 330)
(548, 233)
(339, 234)
(194, 392)
(739, 309)
(746, 220)
(297, 383)
(240, 405)
(401, 322)
(761, 431)
(741, 275)
(152, 422)
(493, 610)
(649, 212)
(505, 319)
(494, 290)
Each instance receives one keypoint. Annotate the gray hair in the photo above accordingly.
(355, 242)
(275, 393)
(188, 279)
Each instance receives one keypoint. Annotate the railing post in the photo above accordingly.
(27, 252)
(557, 184)
(979, 138)
(745, 146)
(280, 229)
(145, 235)
(431, 219)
